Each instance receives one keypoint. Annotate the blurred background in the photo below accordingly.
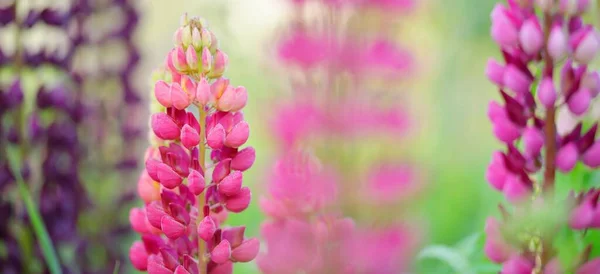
(448, 99)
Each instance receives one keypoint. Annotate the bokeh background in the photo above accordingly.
(448, 99)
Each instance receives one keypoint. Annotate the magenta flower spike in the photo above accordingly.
(536, 39)
(186, 195)
(319, 195)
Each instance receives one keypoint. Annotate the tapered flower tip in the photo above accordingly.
(585, 44)
(547, 93)
(154, 213)
(137, 219)
(207, 60)
(179, 97)
(168, 177)
(138, 256)
(582, 216)
(189, 137)
(156, 265)
(505, 130)
(222, 169)
(162, 93)
(220, 62)
(496, 111)
(226, 268)
(221, 253)
(240, 201)
(179, 61)
(496, 250)
(515, 190)
(235, 235)
(231, 184)
(164, 127)
(247, 251)
(148, 189)
(216, 137)
(496, 173)
(590, 267)
(566, 158)
(207, 228)
(495, 72)
(531, 36)
(516, 80)
(196, 182)
(517, 265)
(171, 227)
(180, 269)
(203, 92)
(191, 58)
(557, 42)
(580, 101)
(591, 157)
(238, 135)
(504, 30)
(533, 140)
(244, 159)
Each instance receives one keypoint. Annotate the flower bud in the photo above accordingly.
(168, 177)
(191, 58)
(531, 36)
(196, 182)
(178, 37)
(591, 156)
(496, 172)
(584, 44)
(180, 99)
(515, 189)
(240, 201)
(138, 256)
(495, 72)
(164, 127)
(184, 19)
(582, 216)
(505, 130)
(566, 158)
(495, 248)
(203, 92)
(244, 159)
(206, 228)
(219, 64)
(517, 265)
(557, 43)
(186, 36)
(137, 219)
(178, 59)
(238, 135)
(247, 251)
(504, 29)
(516, 80)
(231, 184)
(206, 38)
(591, 81)
(533, 140)
(196, 39)
(162, 92)
(171, 227)
(189, 137)
(216, 137)
(221, 253)
(580, 101)
(546, 92)
(207, 60)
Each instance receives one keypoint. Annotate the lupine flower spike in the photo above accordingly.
(188, 197)
(321, 197)
(538, 38)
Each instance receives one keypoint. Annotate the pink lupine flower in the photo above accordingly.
(181, 222)
(317, 180)
(535, 37)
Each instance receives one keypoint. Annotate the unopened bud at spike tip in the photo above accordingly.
(186, 36)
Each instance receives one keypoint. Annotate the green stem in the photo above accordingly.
(34, 215)
(202, 262)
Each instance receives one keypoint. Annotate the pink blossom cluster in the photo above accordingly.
(181, 224)
(320, 195)
(537, 37)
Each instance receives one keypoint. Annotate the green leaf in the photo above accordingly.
(34, 215)
(451, 256)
